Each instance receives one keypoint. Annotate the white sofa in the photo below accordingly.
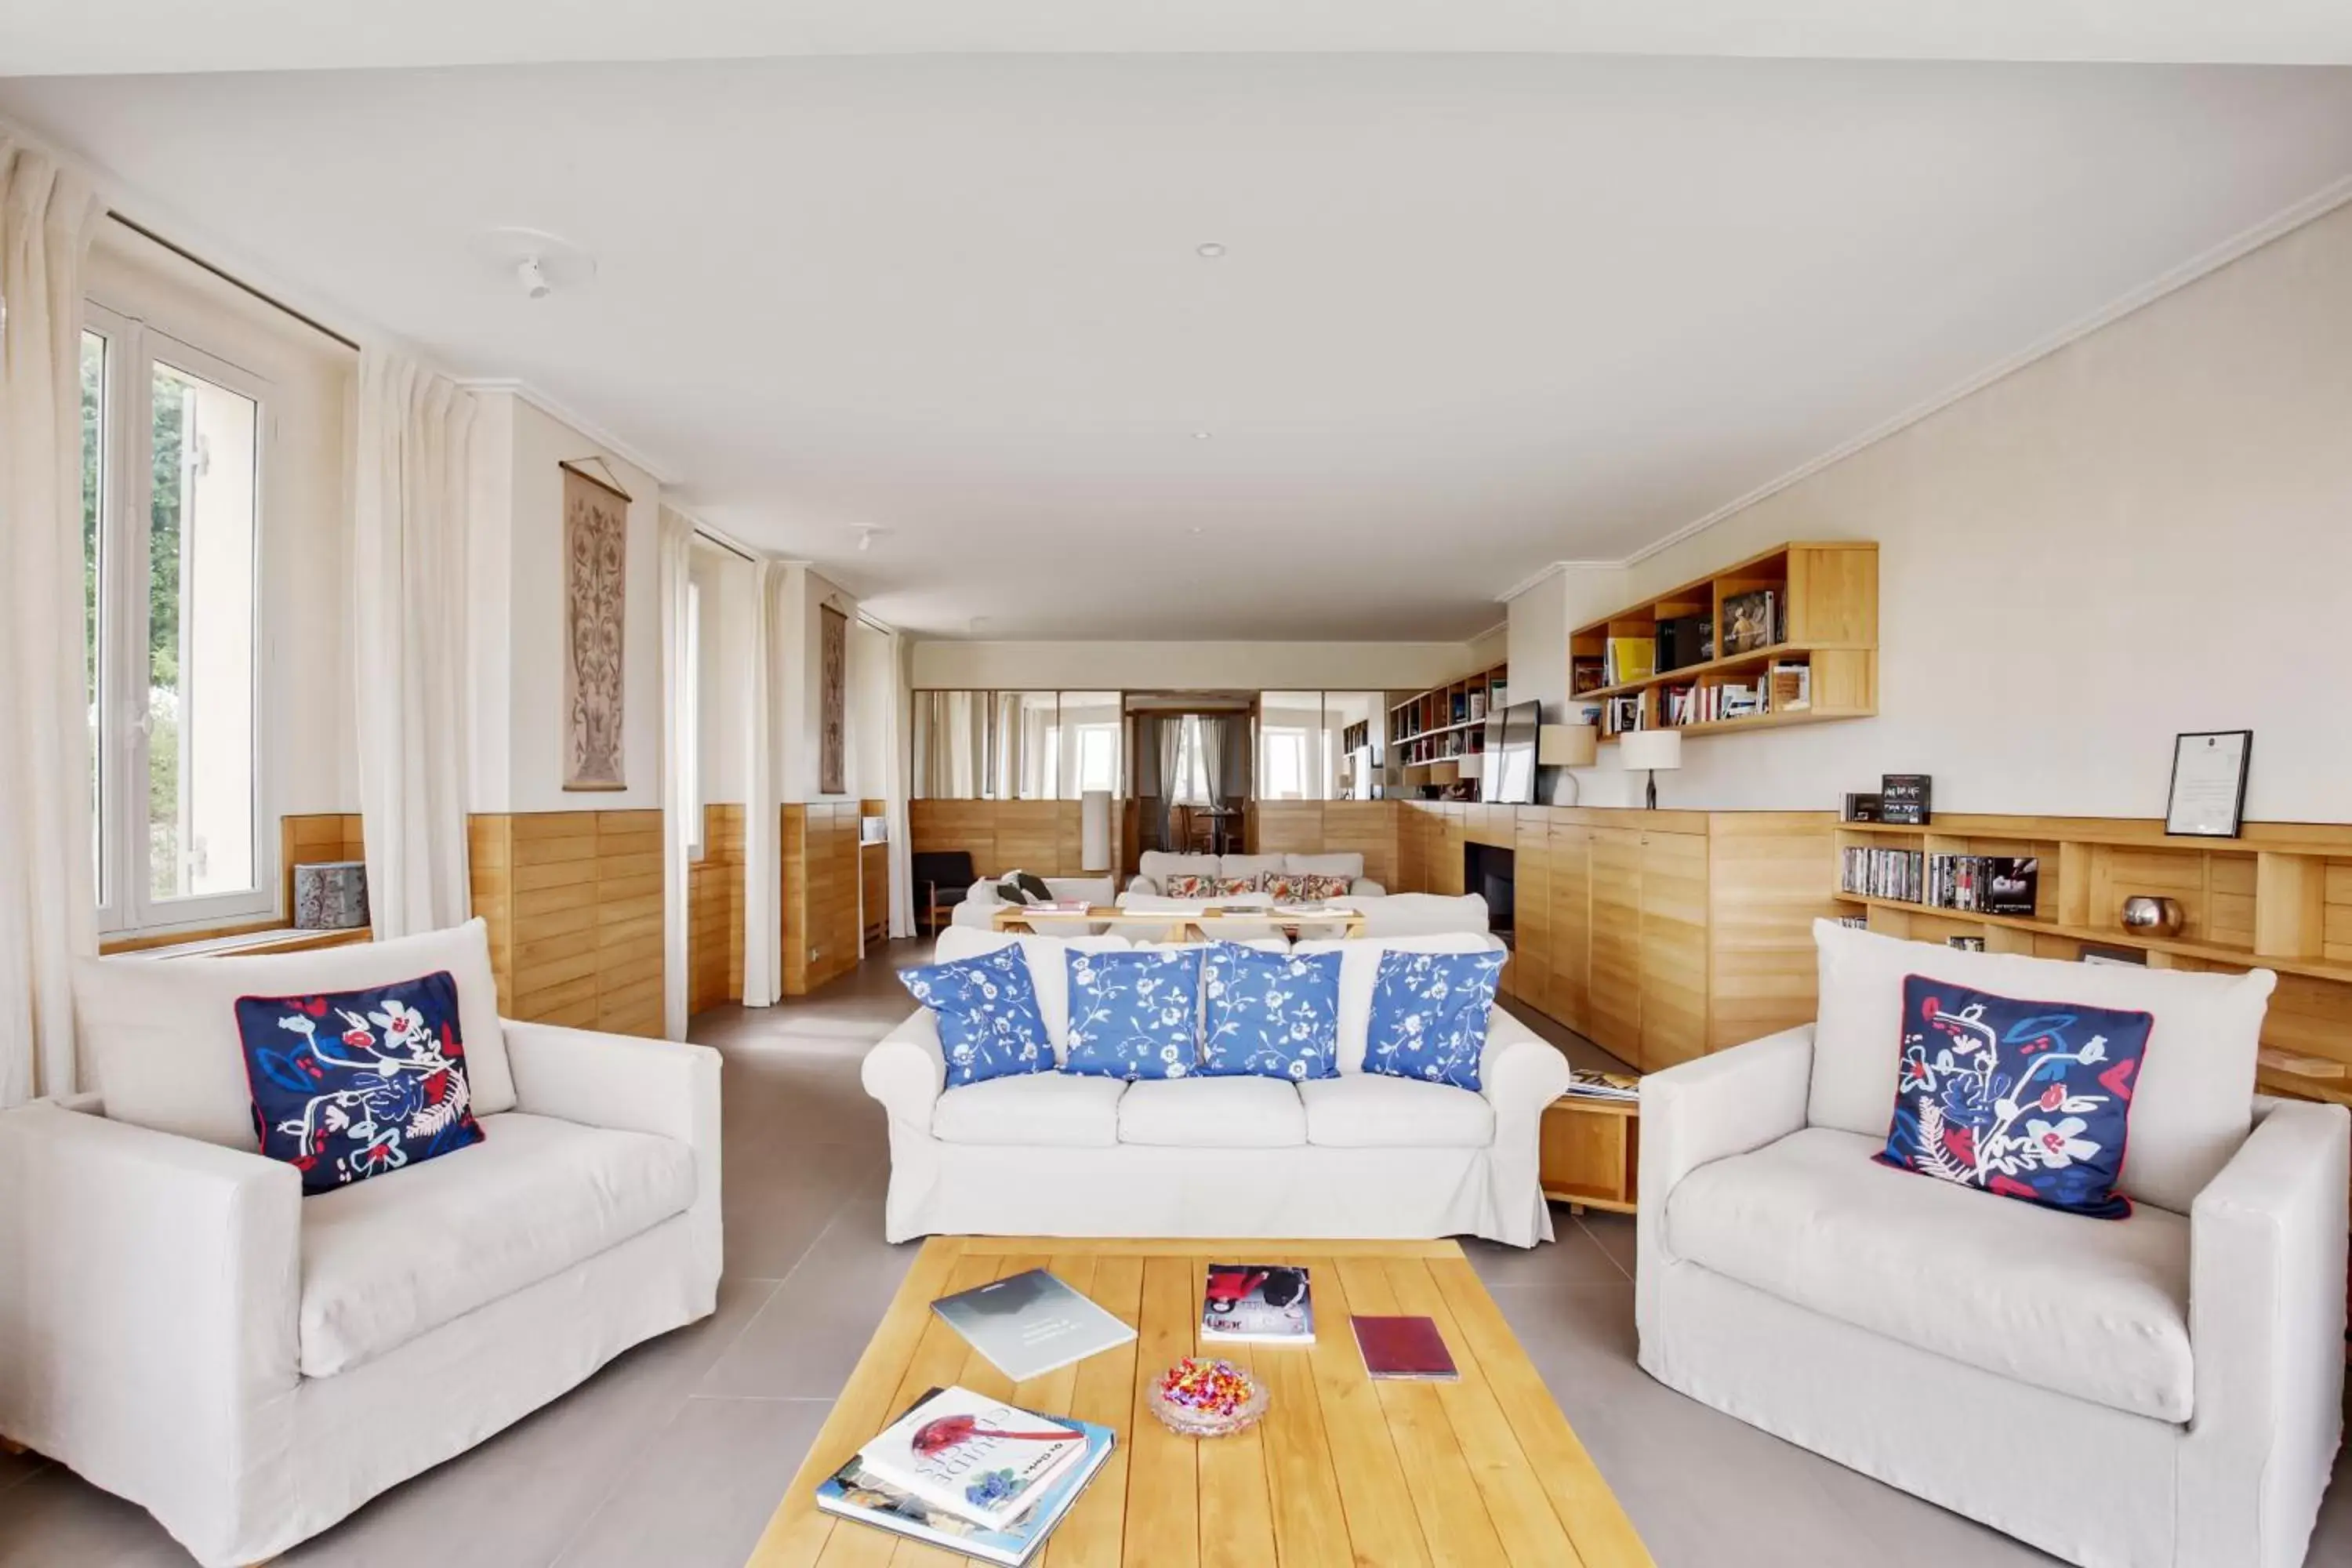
(978, 909)
(1154, 867)
(1363, 1155)
(2161, 1390)
(181, 1326)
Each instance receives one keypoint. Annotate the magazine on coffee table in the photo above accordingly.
(1029, 1323)
(1256, 1304)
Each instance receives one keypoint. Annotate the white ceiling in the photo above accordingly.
(1478, 313)
(103, 37)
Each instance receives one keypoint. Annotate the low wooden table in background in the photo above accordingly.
(1342, 1471)
(1178, 927)
(1590, 1152)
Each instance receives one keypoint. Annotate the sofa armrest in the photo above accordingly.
(1139, 883)
(1365, 888)
(149, 1292)
(629, 1084)
(1707, 1109)
(2266, 1256)
(1519, 1073)
(906, 1070)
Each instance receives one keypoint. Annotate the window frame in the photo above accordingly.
(126, 906)
(689, 758)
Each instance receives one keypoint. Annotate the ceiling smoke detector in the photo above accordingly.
(533, 279)
(540, 263)
(1209, 250)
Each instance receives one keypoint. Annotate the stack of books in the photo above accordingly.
(1590, 1085)
(1884, 873)
(1626, 659)
(1984, 884)
(969, 1473)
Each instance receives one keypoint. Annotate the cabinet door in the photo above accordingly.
(1531, 901)
(1571, 890)
(1613, 993)
(1445, 876)
(1673, 948)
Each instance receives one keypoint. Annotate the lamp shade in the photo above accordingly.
(1473, 765)
(1646, 749)
(1094, 830)
(1567, 745)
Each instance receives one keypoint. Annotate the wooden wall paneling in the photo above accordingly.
(821, 890)
(573, 902)
(1569, 846)
(309, 839)
(1366, 827)
(874, 891)
(2336, 917)
(1290, 827)
(1613, 986)
(629, 904)
(1531, 898)
(2289, 918)
(1445, 873)
(1770, 876)
(715, 911)
(1673, 936)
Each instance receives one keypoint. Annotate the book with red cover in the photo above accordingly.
(1404, 1347)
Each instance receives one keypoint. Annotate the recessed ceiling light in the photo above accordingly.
(1210, 249)
(1201, 434)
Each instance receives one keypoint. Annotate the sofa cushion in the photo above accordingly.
(2192, 1102)
(1373, 1111)
(1135, 1014)
(2022, 1098)
(1275, 1014)
(160, 1035)
(1250, 866)
(1048, 969)
(1190, 885)
(1158, 865)
(1349, 866)
(1213, 1113)
(1359, 967)
(1060, 1109)
(355, 1084)
(386, 1260)
(1429, 1015)
(1422, 914)
(990, 1023)
(2099, 1311)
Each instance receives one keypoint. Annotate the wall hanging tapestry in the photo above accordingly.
(596, 549)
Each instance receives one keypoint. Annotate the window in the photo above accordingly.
(1285, 762)
(171, 467)
(1192, 764)
(1097, 756)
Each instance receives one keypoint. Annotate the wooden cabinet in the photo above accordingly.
(1674, 957)
(1569, 962)
(1613, 1013)
(1531, 856)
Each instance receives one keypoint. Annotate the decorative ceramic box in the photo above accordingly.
(331, 895)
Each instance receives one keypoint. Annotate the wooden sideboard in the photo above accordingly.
(1660, 935)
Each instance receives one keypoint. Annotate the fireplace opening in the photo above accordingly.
(1491, 873)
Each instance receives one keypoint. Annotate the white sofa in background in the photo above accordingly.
(182, 1327)
(1154, 867)
(979, 908)
(1363, 1155)
(2159, 1392)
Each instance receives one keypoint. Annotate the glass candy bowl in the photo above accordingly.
(1208, 1398)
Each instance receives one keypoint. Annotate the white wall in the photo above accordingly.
(796, 680)
(873, 676)
(305, 698)
(516, 652)
(2145, 532)
(726, 655)
(1182, 666)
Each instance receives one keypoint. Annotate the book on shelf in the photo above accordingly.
(1628, 659)
(1410, 1348)
(1588, 1084)
(1750, 621)
(1983, 884)
(1622, 712)
(1789, 686)
(856, 1492)
(1872, 873)
(972, 1456)
(1684, 640)
(1257, 1303)
(1585, 674)
(1903, 798)
(1029, 1323)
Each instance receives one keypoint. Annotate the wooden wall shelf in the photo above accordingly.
(1431, 731)
(1826, 599)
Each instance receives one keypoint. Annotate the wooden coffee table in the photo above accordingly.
(1342, 1471)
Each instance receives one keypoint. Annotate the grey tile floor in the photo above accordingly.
(674, 1455)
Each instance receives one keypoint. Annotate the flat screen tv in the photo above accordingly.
(1509, 777)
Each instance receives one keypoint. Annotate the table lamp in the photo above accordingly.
(1568, 746)
(1650, 749)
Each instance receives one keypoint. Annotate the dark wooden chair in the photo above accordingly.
(943, 878)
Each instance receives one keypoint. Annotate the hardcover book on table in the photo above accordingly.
(1410, 1348)
(1257, 1303)
(1030, 1324)
(972, 1456)
(856, 1492)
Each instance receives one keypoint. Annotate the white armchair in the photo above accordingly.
(2181, 1375)
(182, 1327)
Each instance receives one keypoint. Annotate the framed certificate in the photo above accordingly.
(2208, 783)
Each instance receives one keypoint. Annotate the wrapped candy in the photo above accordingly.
(1208, 1398)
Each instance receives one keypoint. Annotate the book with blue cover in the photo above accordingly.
(856, 1492)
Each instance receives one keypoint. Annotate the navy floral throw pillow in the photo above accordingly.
(2028, 1100)
(355, 1083)
(990, 1023)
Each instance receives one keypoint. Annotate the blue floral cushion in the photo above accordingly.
(1429, 1015)
(1275, 1014)
(352, 1084)
(2029, 1099)
(1135, 1014)
(990, 1023)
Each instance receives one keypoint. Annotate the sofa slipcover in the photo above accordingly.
(1047, 1109)
(1374, 1111)
(1237, 1112)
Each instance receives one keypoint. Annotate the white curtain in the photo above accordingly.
(1213, 737)
(408, 562)
(1171, 787)
(49, 903)
(677, 573)
(897, 748)
(763, 929)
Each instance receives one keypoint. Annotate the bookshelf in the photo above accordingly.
(2277, 897)
(1817, 661)
(1431, 731)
